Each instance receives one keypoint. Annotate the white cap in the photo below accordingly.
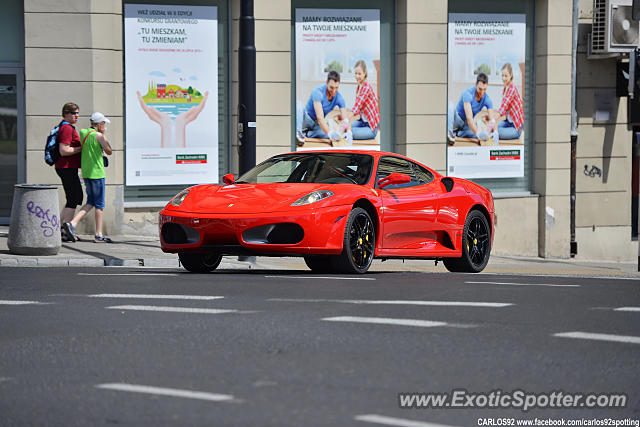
(98, 117)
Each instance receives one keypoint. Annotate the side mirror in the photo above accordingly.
(395, 178)
(228, 179)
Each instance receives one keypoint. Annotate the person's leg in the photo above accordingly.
(361, 130)
(299, 115)
(99, 222)
(72, 191)
(80, 214)
(458, 123)
(316, 132)
(91, 202)
(307, 121)
(450, 116)
(466, 132)
(303, 123)
(67, 214)
(454, 123)
(506, 130)
(70, 226)
(98, 186)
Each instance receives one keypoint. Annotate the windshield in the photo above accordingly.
(326, 168)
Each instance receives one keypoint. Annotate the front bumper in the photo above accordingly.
(317, 231)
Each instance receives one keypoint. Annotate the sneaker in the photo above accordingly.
(102, 239)
(70, 230)
(300, 136)
(66, 238)
(451, 136)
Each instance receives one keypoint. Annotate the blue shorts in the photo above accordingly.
(95, 192)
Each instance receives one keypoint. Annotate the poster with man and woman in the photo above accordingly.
(337, 78)
(485, 105)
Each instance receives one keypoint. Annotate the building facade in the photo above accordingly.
(77, 50)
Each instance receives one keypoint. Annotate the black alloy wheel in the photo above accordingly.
(200, 262)
(358, 245)
(476, 245)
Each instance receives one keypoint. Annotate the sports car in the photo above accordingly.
(339, 209)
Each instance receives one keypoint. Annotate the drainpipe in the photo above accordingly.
(574, 131)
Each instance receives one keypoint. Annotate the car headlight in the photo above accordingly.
(179, 198)
(313, 197)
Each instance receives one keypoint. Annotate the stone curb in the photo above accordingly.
(161, 262)
(88, 262)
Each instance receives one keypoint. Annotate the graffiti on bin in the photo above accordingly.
(50, 223)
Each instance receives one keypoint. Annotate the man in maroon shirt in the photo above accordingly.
(68, 164)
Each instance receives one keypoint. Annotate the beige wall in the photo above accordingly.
(422, 81)
(74, 56)
(603, 203)
(553, 125)
(516, 228)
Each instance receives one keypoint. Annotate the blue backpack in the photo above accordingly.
(51, 147)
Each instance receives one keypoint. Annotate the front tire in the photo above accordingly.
(358, 244)
(319, 263)
(200, 262)
(476, 245)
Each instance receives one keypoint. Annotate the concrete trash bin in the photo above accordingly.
(35, 225)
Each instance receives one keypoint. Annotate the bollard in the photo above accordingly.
(35, 226)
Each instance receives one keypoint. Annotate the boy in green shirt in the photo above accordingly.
(94, 143)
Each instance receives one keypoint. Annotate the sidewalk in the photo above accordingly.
(144, 251)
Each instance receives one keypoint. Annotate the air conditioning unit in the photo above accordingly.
(613, 28)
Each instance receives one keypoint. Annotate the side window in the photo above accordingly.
(423, 175)
(389, 165)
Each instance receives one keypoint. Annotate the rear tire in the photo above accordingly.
(476, 245)
(358, 245)
(319, 263)
(200, 262)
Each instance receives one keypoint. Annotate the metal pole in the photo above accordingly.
(573, 246)
(247, 88)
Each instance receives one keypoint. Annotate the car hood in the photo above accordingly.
(246, 198)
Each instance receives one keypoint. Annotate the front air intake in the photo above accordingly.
(178, 234)
(285, 233)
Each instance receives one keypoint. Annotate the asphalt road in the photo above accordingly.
(108, 346)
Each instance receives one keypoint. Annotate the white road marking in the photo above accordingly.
(599, 337)
(627, 309)
(161, 391)
(127, 274)
(576, 276)
(386, 321)
(171, 309)
(390, 421)
(10, 302)
(321, 277)
(150, 296)
(400, 302)
(525, 284)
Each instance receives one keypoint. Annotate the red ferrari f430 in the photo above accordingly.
(338, 209)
